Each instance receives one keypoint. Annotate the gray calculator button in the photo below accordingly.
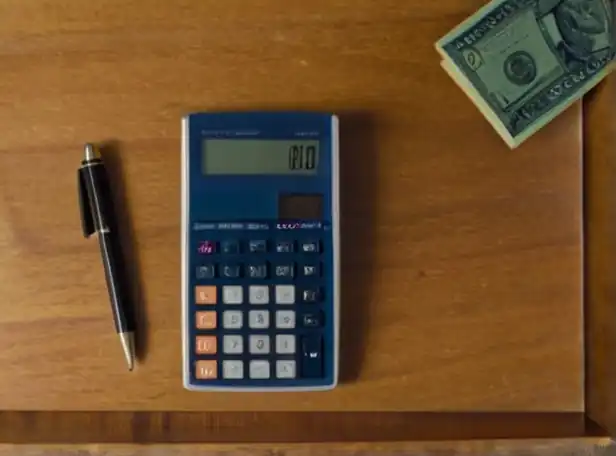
(232, 294)
(232, 319)
(258, 294)
(285, 369)
(258, 319)
(259, 344)
(285, 319)
(232, 345)
(232, 369)
(285, 294)
(259, 369)
(285, 344)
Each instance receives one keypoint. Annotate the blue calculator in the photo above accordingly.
(260, 251)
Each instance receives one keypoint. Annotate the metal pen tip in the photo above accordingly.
(128, 346)
(91, 152)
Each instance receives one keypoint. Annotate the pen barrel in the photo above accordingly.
(116, 277)
(105, 224)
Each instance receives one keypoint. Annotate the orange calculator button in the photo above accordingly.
(205, 345)
(206, 370)
(206, 320)
(205, 294)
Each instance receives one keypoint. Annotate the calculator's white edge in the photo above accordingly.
(184, 246)
(184, 269)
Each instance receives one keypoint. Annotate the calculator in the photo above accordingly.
(260, 251)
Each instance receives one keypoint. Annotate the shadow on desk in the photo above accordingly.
(358, 197)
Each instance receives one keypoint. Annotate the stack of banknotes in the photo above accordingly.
(523, 62)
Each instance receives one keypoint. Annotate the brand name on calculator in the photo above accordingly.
(257, 226)
(298, 226)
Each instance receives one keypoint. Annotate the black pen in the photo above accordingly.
(97, 216)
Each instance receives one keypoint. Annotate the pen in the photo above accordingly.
(97, 216)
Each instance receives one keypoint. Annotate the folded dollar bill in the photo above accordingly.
(523, 62)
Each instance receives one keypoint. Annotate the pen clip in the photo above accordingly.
(87, 222)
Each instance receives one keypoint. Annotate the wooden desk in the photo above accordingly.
(462, 260)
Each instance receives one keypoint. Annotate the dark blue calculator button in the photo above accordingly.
(311, 270)
(230, 271)
(206, 247)
(285, 247)
(230, 247)
(286, 271)
(257, 271)
(258, 246)
(311, 295)
(206, 272)
(311, 247)
(312, 356)
(312, 320)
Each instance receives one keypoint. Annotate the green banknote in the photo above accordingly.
(523, 62)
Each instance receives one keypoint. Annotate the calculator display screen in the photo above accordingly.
(254, 156)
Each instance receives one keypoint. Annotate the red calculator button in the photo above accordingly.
(205, 294)
(205, 345)
(206, 320)
(206, 370)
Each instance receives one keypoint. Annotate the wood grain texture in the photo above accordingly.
(600, 163)
(281, 427)
(570, 447)
(462, 260)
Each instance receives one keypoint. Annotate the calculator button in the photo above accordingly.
(311, 270)
(205, 294)
(232, 319)
(233, 369)
(285, 271)
(285, 369)
(232, 345)
(258, 319)
(285, 247)
(205, 345)
(285, 344)
(312, 320)
(259, 369)
(205, 320)
(311, 295)
(206, 272)
(206, 369)
(230, 247)
(311, 247)
(259, 344)
(257, 271)
(258, 246)
(232, 294)
(258, 294)
(285, 319)
(206, 248)
(285, 294)
(312, 356)
(230, 271)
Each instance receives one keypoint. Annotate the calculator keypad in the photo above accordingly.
(259, 310)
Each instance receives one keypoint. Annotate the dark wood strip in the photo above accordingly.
(164, 427)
